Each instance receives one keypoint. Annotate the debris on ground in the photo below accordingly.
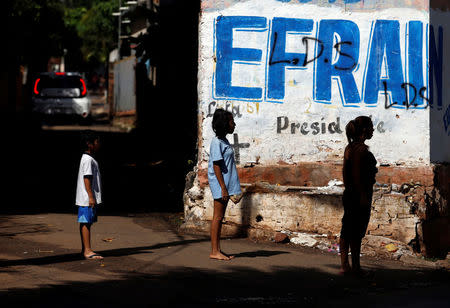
(391, 247)
(281, 238)
(334, 248)
(372, 246)
(304, 239)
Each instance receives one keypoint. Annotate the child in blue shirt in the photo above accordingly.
(222, 176)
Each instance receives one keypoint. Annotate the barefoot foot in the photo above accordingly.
(93, 256)
(219, 256)
(227, 255)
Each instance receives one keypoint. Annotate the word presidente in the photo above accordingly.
(316, 127)
(334, 37)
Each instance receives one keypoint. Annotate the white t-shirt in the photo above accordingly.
(88, 166)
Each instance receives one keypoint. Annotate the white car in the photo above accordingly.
(61, 94)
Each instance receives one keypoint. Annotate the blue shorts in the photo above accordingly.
(87, 214)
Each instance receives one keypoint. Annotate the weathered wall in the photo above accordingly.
(124, 76)
(319, 211)
(294, 73)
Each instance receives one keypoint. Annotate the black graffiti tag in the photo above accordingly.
(408, 103)
(337, 46)
(295, 61)
(307, 60)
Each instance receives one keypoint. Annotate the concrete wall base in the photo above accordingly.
(410, 213)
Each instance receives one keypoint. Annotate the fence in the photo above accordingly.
(125, 86)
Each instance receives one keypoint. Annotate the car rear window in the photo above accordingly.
(56, 82)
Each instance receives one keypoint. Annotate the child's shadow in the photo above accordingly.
(259, 253)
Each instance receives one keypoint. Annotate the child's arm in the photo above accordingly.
(88, 186)
(219, 177)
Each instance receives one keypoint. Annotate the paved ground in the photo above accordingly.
(148, 264)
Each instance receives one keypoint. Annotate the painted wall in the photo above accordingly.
(295, 72)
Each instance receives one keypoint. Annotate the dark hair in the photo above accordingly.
(88, 137)
(221, 122)
(355, 128)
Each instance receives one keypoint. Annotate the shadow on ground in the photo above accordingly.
(243, 286)
(54, 259)
(127, 280)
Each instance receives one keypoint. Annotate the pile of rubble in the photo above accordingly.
(373, 246)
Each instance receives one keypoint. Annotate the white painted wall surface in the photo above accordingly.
(401, 136)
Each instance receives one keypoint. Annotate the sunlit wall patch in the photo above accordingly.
(258, 58)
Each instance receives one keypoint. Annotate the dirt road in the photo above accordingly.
(148, 264)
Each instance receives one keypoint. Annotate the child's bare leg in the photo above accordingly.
(343, 248)
(219, 234)
(82, 241)
(355, 246)
(85, 233)
(216, 225)
(219, 237)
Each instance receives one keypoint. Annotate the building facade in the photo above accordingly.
(294, 73)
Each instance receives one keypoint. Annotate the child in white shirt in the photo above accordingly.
(89, 194)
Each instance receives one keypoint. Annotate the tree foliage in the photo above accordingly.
(96, 27)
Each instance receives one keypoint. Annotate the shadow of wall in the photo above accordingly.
(439, 93)
(436, 234)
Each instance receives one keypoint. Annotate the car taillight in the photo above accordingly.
(35, 86)
(83, 91)
(60, 73)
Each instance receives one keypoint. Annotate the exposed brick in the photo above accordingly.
(320, 173)
(423, 175)
(281, 238)
(203, 177)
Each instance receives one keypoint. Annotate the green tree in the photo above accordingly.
(97, 29)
